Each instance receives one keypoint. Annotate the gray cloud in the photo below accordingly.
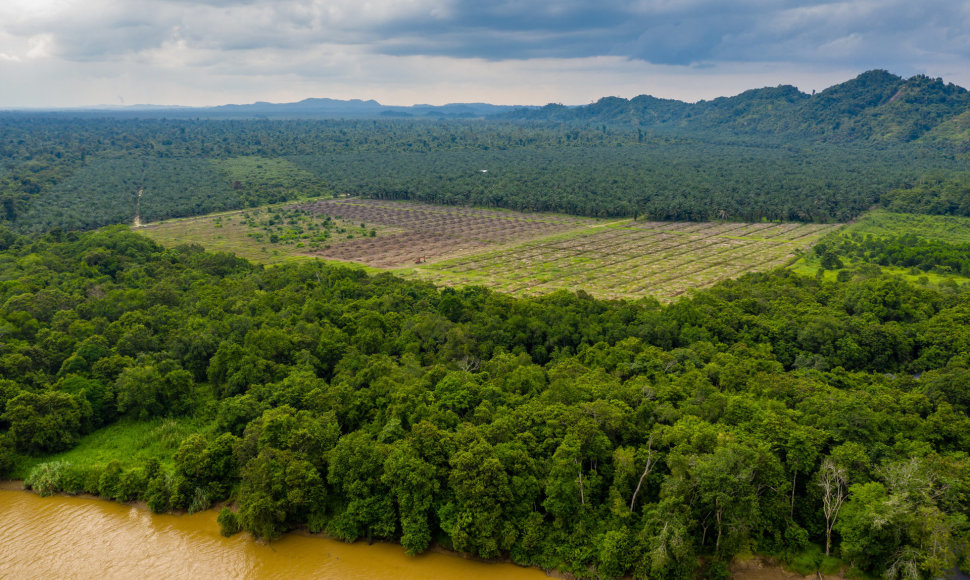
(378, 43)
(655, 31)
(860, 32)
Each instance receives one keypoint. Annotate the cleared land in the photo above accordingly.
(633, 259)
(430, 233)
(267, 235)
(518, 253)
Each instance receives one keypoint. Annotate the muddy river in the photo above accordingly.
(70, 537)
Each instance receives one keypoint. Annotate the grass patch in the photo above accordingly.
(270, 234)
(131, 443)
(271, 179)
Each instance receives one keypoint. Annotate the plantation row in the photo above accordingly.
(659, 259)
(431, 233)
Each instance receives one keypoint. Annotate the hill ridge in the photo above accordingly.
(874, 106)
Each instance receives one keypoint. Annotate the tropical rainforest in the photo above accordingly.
(823, 421)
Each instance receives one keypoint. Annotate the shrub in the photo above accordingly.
(158, 493)
(46, 478)
(228, 522)
(110, 480)
(6, 454)
(132, 484)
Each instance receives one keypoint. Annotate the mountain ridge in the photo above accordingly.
(874, 106)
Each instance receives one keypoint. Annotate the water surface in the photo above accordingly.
(72, 537)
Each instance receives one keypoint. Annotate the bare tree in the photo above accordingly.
(833, 480)
(582, 496)
(646, 471)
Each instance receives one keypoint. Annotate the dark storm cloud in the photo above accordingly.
(674, 32)
(683, 33)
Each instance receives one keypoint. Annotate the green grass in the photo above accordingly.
(809, 266)
(248, 233)
(131, 443)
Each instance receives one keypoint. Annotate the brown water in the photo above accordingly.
(70, 537)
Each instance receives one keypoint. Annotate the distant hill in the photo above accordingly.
(316, 108)
(358, 108)
(875, 106)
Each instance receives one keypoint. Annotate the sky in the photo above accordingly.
(69, 53)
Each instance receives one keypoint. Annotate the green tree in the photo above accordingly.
(278, 491)
(355, 470)
(414, 485)
(475, 518)
(45, 422)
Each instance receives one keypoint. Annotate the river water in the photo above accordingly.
(71, 537)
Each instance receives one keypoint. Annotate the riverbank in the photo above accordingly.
(762, 568)
(68, 536)
(120, 526)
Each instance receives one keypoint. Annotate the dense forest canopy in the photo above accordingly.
(772, 414)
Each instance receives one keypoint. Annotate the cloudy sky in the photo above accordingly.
(56, 53)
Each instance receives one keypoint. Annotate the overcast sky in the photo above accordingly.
(56, 53)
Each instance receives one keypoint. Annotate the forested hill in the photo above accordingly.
(875, 106)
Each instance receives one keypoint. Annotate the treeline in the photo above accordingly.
(109, 191)
(934, 194)
(59, 172)
(777, 414)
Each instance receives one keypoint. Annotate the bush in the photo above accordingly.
(808, 561)
(132, 484)
(110, 480)
(47, 478)
(158, 493)
(228, 522)
(718, 570)
(200, 500)
(830, 566)
(74, 479)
